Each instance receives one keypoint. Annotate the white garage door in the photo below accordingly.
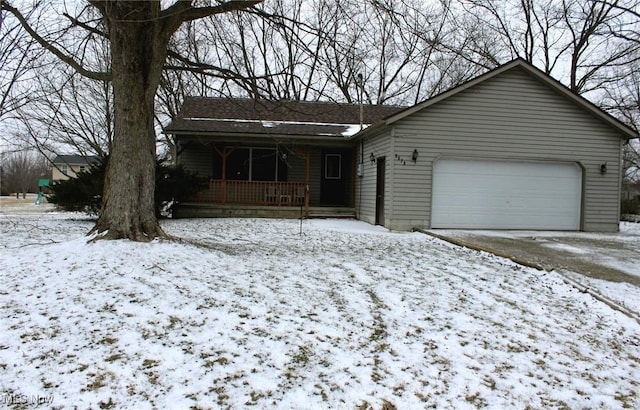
(476, 194)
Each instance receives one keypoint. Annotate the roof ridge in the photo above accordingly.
(306, 102)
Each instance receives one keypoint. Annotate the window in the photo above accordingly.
(82, 168)
(238, 164)
(64, 168)
(332, 166)
(264, 164)
(252, 164)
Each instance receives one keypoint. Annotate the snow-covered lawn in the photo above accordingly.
(251, 314)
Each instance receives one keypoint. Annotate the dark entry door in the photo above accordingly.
(380, 190)
(336, 174)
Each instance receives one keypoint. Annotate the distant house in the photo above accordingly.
(68, 166)
(510, 149)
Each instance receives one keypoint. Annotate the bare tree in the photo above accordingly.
(622, 99)
(139, 33)
(588, 37)
(17, 57)
(67, 113)
(402, 49)
(593, 46)
(405, 51)
(21, 170)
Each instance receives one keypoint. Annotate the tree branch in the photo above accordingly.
(85, 26)
(182, 11)
(185, 12)
(96, 75)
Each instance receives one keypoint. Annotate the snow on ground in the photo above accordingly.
(245, 313)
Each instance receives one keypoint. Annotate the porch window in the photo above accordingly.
(264, 164)
(238, 164)
(252, 164)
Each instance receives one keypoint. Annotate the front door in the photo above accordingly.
(380, 191)
(336, 174)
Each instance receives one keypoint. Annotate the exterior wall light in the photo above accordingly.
(372, 158)
(603, 168)
(414, 156)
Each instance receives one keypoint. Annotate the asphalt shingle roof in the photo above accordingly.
(247, 116)
(76, 159)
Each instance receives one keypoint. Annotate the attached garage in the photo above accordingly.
(510, 149)
(488, 194)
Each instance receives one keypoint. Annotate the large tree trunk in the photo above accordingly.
(139, 32)
(138, 50)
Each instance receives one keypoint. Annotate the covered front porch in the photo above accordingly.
(269, 180)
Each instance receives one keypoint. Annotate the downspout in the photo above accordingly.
(620, 179)
(359, 177)
(360, 167)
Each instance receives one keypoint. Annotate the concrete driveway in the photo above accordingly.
(614, 257)
(609, 262)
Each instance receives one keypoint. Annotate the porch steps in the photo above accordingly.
(332, 212)
(204, 210)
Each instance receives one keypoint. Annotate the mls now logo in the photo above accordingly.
(25, 399)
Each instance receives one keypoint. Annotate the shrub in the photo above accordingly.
(174, 184)
(84, 193)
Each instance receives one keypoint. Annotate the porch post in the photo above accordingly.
(223, 187)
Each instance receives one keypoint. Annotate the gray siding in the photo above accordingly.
(379, 146)
(315, 166)
(198, 158)
(510, 116)
(296, 168)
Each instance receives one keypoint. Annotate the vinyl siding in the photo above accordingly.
(379, 146)
(198, 158)
(296, 168)
(315, 166)
(510, 116)
(72, 172)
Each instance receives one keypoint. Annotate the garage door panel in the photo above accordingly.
(506, 195)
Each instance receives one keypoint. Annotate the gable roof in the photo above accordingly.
(625, 130)
(76, 159)
(203, 115)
